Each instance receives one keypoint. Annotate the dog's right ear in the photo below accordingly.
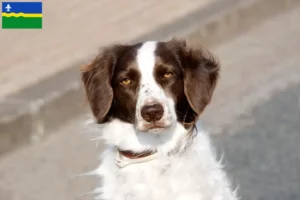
(97, 77)
(201, 72)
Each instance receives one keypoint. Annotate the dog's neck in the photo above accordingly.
(128, 157)
(125, 158)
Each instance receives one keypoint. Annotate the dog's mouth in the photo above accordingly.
(154, 127)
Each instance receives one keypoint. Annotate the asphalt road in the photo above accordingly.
(254, 119)
(264, 158)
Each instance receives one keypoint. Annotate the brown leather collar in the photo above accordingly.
(135, 155)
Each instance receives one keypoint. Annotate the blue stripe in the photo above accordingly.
(25, 7)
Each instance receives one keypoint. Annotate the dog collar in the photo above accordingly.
(125, 158)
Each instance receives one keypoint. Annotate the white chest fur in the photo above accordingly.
(193, 174)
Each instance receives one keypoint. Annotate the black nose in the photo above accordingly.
(152, 113)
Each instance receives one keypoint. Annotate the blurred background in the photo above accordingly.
(254, 117)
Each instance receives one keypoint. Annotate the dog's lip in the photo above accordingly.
(154, 127)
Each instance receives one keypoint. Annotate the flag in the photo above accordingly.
(22, 15)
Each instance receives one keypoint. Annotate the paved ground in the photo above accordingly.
(254, 117)
(264, 158)
(67, 36)
(46, 171)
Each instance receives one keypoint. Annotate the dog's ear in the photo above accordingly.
(201, 72)
(97, 77)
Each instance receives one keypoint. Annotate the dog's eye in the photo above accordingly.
(168, 74)
(126, 81)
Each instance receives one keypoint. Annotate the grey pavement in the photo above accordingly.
(74, 30)
(255, 65)
(47, 170)
(264, 158)
(258, 118)
(254, 120)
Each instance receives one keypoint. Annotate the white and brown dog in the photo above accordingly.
(146, 98)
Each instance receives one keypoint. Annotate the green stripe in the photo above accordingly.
(21, 22)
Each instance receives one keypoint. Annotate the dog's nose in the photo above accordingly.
(152, 113)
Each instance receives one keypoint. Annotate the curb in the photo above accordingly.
(30, 115)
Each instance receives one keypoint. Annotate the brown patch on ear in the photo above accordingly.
(201, 72)
(96, 78)
(176, 43)
(86, 68)
(83, 69)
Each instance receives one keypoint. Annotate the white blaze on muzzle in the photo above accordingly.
(150, 91)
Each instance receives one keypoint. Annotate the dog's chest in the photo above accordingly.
(153, 180)
(177, 178)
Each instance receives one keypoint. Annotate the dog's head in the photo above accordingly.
(151, 85)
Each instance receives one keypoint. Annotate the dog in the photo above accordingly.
(146, 99)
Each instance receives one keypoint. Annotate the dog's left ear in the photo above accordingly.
(201, 72)
(96, 78)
